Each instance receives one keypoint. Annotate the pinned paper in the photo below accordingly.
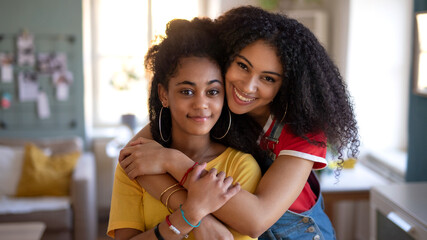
(25, 45)
(6, 63)
(62, 81)
(28, 86)
(62, 90)
(43, 109)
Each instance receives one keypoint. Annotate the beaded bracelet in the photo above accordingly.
(183, 216)
(186, 174)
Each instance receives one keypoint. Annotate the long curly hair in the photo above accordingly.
(312, 87)
(195, 38)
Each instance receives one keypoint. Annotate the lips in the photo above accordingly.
(242, 97)
(199, 118)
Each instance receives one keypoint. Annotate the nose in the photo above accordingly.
(200, 101)
(250, 85)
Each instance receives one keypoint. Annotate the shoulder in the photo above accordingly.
(236, 155)
(122, 181)
(243, 168)
(239, 160)
(306, 148)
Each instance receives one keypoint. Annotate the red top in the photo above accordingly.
(291, 145)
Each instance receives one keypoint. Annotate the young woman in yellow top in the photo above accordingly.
(188, 114)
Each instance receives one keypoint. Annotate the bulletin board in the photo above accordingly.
(39, 97)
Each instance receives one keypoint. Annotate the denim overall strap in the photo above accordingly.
(312, 224)
(273, 138)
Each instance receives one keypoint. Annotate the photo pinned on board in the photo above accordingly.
(48, 63)
(6, 65)
(25, 48)
(62, 81)
(28, 84)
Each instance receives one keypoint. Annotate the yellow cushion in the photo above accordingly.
(45, 176)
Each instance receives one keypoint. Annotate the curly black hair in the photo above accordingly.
(195, 38)
(312, 87)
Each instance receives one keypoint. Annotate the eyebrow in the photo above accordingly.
(193, 84)
(250, 64)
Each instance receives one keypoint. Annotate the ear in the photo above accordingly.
(163, 95)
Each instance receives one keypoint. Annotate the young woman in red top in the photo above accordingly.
(279, 74)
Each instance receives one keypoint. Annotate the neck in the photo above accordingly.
(198, 148)
(260, 116)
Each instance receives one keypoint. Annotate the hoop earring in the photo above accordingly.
(228, 129)
(284, 115)
(160, 127)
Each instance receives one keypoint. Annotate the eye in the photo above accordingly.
(269, 79)
(213, 92)
(242, 66)
(187, 92)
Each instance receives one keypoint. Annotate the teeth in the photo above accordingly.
(244, 99)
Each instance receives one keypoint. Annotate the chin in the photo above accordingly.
(236, 109)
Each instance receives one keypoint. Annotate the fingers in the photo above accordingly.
(221, 175)
(124, 153)
(228, 181)
(232, 191)
(197, 172)
(125, 162)
(139, 140)
(127, 150)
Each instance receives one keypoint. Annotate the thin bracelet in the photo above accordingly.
(167, 199)
(186, 174)
(183, 216)
(172, 227)
(157, 232)
(167, 189)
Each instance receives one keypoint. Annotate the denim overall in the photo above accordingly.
(313, 224)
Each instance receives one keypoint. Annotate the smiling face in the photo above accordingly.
(195, 96)
(253, 79)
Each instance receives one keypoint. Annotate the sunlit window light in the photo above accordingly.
(121, 39)
(421, 84)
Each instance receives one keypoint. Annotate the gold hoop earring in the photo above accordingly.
(228, 129)
(160, 127)
(284, 115)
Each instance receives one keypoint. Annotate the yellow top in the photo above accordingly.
(133, 207)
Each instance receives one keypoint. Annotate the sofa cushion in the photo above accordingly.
(55, 145)
(10, 169)
(45, 176)
(59, 219)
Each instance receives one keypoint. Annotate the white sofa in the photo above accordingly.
(68, 217)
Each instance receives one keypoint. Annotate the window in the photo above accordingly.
(421, 62)
(121, 34)
(378, 72)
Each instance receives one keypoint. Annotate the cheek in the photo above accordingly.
(231, 75)
(274, 92)
(217, 105)
(228, 89)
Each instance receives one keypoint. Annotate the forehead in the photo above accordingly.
(197, 70)
(263, 56)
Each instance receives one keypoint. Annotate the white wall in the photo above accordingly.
(378, 70)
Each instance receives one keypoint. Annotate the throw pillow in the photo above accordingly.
(45, 175)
